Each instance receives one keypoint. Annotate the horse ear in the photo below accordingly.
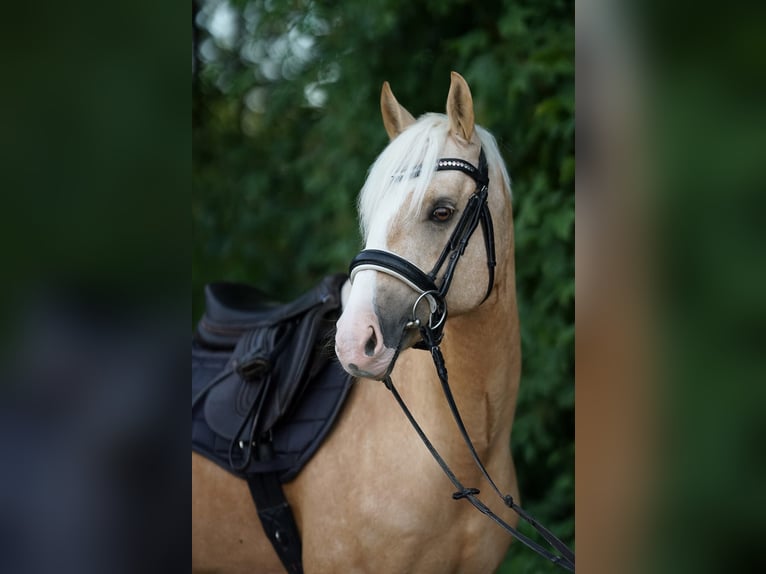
(395, 118)
(460, 107)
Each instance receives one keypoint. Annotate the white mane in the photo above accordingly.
(408, 163)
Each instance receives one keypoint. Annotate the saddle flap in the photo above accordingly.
(229, 405)
(300, 364)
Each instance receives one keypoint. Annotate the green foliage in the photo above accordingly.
(286, 122)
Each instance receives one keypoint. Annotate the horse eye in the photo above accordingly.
(442, 214)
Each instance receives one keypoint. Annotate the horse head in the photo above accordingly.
(431, 189)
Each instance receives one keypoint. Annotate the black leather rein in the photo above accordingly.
(476, 211)
(563, 556)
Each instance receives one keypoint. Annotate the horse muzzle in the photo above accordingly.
(359, 341)
(360, 348)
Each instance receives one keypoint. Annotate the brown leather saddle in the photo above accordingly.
(266, 390)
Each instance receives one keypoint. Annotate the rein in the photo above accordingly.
(565, 558)
(477, 211)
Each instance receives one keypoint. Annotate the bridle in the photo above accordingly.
(476, 211)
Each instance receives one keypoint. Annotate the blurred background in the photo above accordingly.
(671, 286)
(286, 122)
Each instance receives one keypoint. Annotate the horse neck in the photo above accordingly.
(483, 358)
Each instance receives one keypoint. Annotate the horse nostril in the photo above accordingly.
(372, 342)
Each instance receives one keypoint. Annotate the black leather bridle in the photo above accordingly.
(476, 211)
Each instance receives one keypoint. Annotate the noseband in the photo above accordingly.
(476, 211)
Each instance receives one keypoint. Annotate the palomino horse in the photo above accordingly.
(372, 499)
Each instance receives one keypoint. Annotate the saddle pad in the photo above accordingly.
(295, 438)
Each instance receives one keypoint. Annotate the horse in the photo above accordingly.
(372, 499)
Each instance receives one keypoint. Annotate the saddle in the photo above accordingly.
(266, 390)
